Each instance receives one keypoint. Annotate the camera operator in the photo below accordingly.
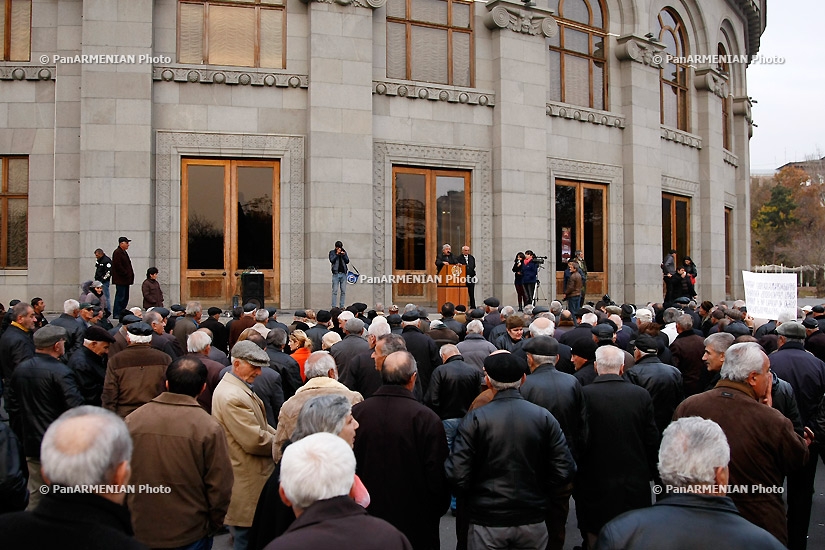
(529, 274)
(339, 260)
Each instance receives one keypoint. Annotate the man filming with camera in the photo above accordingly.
(339, 260)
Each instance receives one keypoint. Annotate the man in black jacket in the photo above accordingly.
(283, 364)
(663, 382)
(16, 343)
(694, 457)
(103, 273)
(470, 261)
(561, 394)
(42, 388)
(423, 348)
(220, 335)
(74, 330)
(453, 387)
(509, 458)
(89, 364)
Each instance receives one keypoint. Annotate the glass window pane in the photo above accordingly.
(566, 237)
(667, 19)
(596, 10)
(410, 222)
(191, 34)
(18, 231)
(682, 225)
(231, 36)
(670, 106)
(598, 47)
(206, 219)
(429, 55)
(21, 27)
(397, 8)
(667, 229)
(2, 29)
(555, 76)
(669, 40)
(450, 212)
(553, 5)
(461, 59)
(577, 41)
(576, 10)
(18, 176)
(461, 15)
(255, 220)
(576, 80)
(396, 50)
(598, 86)
(554, 41)
(594, 228)
(429, 11)
(272, 39)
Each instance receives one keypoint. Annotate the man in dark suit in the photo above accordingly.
(220, 334)
(446, 257)
(400, 451)
(470, 261)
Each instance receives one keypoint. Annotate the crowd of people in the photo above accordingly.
(360, 428)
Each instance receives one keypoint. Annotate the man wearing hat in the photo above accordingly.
(41, 389)
(89, 364)
(137, 374)
(663, 382)
(123, 276)
(423, 348)
(242, 415)
(818, 313)
(316, 333)
(273, 322)
(246, 321)
(815, 339)
(509, 459)
(220, 336)
(561, 394)
(121, 340)
(339, 259)
(583, 355)
(492, 316)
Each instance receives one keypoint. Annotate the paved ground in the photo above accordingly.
(816, 531)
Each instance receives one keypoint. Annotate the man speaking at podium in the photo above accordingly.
(446, 257)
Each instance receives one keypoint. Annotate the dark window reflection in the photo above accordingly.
(410, 222)
(565, 225)
(206, 217)
(255, 205)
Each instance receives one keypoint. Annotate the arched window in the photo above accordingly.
(578, 73)
(673, 76)
(723, 67)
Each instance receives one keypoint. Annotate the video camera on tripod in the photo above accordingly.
(540, 260)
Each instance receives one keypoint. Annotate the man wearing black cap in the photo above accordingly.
(220, 336)
(561, 394)
(136, 375)
(322, 327)
(818, 313)
(583, 355)
(42, 388)
(339, 260)
(663, 382)
(123, 276)
(815, 339)
(423, 348)
(89, 364)
(508, 460)
(492, 317)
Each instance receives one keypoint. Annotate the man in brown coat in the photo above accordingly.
(136, 375)
(687, 351)
(763, 444)
(180, 451)
(123, 276)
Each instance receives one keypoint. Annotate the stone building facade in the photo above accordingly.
(212, 133)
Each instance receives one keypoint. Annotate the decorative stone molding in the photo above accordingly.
(171, 146)
(730, 158)
(231, 76)
(385, 155)
(579, 169)
(680, 186)
(730, 200)
(678, 136)
(373, 4)
(756, 24)
(433, 92)
(503, 14)
(641, 50)
(585, 114)
(27, 72)
(742, 107)
(710, 79)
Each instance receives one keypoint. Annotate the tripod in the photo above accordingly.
(538, 291)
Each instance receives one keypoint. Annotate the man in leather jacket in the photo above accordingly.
(508, 459)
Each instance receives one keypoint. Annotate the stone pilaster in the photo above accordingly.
(641, 154)
(742, 132)
(520, 188)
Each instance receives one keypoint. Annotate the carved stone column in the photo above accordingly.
(711, 88)
(520, 187)
(641, 155)
(340, 142)
(742, 132)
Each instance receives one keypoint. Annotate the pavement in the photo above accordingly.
(816, 529)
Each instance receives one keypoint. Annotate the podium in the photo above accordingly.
(452, 285)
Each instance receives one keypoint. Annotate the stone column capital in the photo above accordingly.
(372, 4)
(520, 18)
(712, 80)
(640, 49)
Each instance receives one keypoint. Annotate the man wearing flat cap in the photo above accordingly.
(242, 415)
(137, 374)
(663, 382)
(492, 316)
(89, 364)
(212, 321)
(561, 394)
(41, 389)
(508, 460)
(815, 339)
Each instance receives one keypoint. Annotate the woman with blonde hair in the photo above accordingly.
(301, 347)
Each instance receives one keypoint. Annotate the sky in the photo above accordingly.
(790, 108)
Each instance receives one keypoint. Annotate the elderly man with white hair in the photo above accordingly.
(188, 324)
(74, 330)
(89, 447)
(764, 446)
(620, 459)
(475, 348)
(693, 463)
(317, 474)
(364, 376)
(348, 348)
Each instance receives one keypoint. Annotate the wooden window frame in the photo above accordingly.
(257, 6)
(673, 244)
(725, 69)
(409, 23)
(591, 32)
(6, 46)
(682, 88)
(5, 196)
(728, 251)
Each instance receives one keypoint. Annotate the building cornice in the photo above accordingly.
(433, 92)
(226, 75)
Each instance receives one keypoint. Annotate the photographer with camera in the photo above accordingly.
(529, 274)
(339, 260)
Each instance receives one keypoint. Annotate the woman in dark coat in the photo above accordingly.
(522, 295)
(152, 294)
(690, 269)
